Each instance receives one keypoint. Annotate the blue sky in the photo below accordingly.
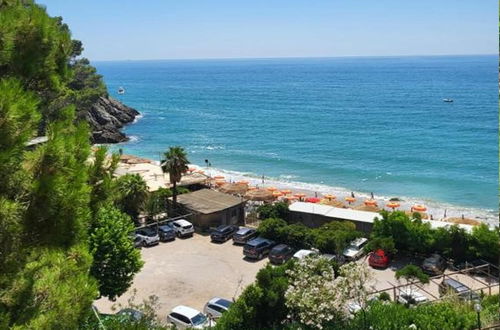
(165, 29)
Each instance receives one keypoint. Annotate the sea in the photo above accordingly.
(327, 125)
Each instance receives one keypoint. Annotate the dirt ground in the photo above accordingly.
(189, 272)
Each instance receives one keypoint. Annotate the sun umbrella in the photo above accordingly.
(350, 199)
(220, 182)
(330, 196)
(234, 188)
(392, 205)
(272, 188)
(419, 208)
(300, 195)
(252, 188)
(290, 198)
(277, 194)
(259, 195)
(243, 182)
(370, 202)
(313, 200)
(219, 177)
(286, 191)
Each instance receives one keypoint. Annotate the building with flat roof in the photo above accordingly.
(211, 208)
(315, 215)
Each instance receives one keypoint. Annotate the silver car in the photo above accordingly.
(216, 306)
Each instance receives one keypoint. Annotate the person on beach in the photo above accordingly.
(372, 195)
(352, 194)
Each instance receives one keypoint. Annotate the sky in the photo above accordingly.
(185, 29)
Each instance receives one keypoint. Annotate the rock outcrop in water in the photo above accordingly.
(106, 118)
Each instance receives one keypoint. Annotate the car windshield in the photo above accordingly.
(199, 319)
(165, 228)
(187, 226)
(224, 302)
(149, 232)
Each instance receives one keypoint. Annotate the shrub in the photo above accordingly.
(277, 210)
(272, 229)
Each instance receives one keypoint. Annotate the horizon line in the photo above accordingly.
(286, 57)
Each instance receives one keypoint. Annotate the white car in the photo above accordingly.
(183, 317)
(355, 249)
(301, 254)
(182, 227)
(147, 237)
(216, 306)
(411, 297)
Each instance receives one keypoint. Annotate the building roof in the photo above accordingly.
(207, 201)
(334, 212)
(355, 215)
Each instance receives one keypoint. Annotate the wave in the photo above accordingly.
(435, 208)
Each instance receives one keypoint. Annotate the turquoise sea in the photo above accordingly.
(363, 124)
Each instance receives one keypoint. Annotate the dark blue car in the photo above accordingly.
(166, 233)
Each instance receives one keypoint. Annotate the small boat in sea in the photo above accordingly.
(448, 100)
(121, 90)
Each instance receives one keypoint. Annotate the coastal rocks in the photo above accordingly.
(106, 117)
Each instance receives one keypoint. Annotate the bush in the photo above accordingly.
(272, 229)
(277, 210)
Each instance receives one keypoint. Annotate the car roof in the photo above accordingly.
(220, 301)
(456, 284)
(281, 247)
(182, 222)
(359, 241)
(186, 311)
(303, 253)
(244, 230)
(165, 227)
(257, 240)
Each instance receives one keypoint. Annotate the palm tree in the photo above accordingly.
(133, 194)
(175, 164)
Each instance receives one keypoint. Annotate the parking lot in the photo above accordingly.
(189, 272)
(385, 279)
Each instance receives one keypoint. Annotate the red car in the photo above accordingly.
(378, 259)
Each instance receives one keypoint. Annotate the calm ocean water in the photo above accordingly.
(360, 124)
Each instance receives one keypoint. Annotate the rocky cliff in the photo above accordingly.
(106, 118)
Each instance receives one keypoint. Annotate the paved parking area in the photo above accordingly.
(189, 272)
(386, 279)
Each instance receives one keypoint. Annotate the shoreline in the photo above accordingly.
(436, 209)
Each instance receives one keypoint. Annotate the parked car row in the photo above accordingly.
(149, 236)
(183, 317)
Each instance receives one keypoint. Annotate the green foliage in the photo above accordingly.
(272, 229)
(452, 242)
(52, 290)
(383, 243)
(277, 210)
(412, 273)
(261, 305)
(384, 296)
(116, 261)
(58, 209)
(175, 164)
(101, 179)
(19, 120)
(332, 237)
(132, 194)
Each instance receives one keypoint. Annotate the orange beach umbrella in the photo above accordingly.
(350, 199)
(243, 182)
(419, 208)
(370, 202)
(277, 194)
(313, 200)
(392, 205)
(220, 182)
(219, 177)
(286, 191)
(300, 195)
(330, 196)
(272, 188)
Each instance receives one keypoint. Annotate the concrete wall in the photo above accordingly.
(231, 216)
(316, 220)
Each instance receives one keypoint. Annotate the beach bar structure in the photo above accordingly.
(314, 215)
(211, 208)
